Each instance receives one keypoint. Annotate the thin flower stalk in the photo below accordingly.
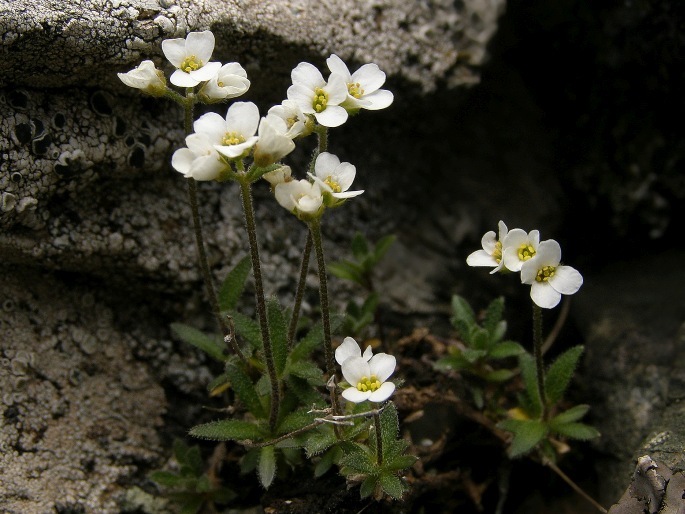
(539, 366)
(250, 225)
(299, 293)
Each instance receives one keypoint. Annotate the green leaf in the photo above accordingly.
(529, 375)
(347, 270)
(579, 431)
(498, 333)
(506, 349)
(308, 343)
(245, 389)
(500, 375)
(493, 315)
(307, 370)
(454, 362)
(234, 284)
(192, 505)
(358, 459)
(304, 391)
(370, 304)
(319, 441)
(266, 469)
(278, 332)
(248, 329)
(227, 430)
(218, 384)
(203, 484)
(165, 478)
(560, 372)
(394, 449)
(212, 345)
(480, 339)
(570, 415)
(472, 355)
(381, 248)
(327, 460)
(368, 486)
(360, 247)
(390, 424)
(295, 420)
(400, 462)
(391, 485)
(462, 311)
(527, 434)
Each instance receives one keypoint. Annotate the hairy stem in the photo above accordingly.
(304, 268)
(248, 209)
(573, 485)
(539, 365)
(379, 439)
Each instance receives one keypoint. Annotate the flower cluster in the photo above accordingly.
(366, 374)
(218, 145)
(539, 263)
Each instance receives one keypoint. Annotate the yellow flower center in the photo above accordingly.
(355, 89)
(369, 384)
(332, 184)
(526, 252)
(191, 63)
(219, 83)
(545, 273)
(497, 252)
(232, 138)
(292, 120)
(320, 99)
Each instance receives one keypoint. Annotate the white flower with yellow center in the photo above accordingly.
(273, 142)
(279, 175)
(199, 160)
(289, 111)
(145, 77)
(191, 58)
(229, 82)
(368, 378)
(363, 86)
(301, 197)
(350, 348)
(547, 278)
(233, 136)
(491, 254)
(519, 247)
(317, 97)
(334, 178)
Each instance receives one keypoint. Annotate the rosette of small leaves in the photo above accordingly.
(482, 342)
(360, 462)
(528, 427)
(191, 486)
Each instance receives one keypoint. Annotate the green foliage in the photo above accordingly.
(527, 434)
(266, 469)
(360, 316)
(482, 342)
(191, 487)
(212, 345)
(366, 257)
(228, 430)
(234, 284)
(559, 374)
(278, 331)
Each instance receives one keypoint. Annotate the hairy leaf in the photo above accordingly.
(391, 485)
(279, 334)
(570, 415)
(527, 434)
(245, 389)
(234, 284)
(248, 329)
(461, 310)
(368, 486)
(493, 315)
(560, 372)
(266, 469)
(506, 349)
(212, 345)
(529, 375)
(579, 431)
(227, 430)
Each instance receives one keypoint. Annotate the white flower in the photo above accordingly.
(547, 278)
(277, 176)
(290, 112)
(491, 254)
(234, 136)
(200, 160)
(146, 77)
(350, 348)
(301, 197)
(519, 247)
(363, 86)
(314, 96)
(273, 142)
(334, 177)
(191, 56)
(367, 379)
(230, 81)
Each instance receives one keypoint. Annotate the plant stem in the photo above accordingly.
(304, 268)
(573, 485)
(315, 231)
(539, 366)
(199, 235)
(322, 135)
(379, 439)
(248, 209)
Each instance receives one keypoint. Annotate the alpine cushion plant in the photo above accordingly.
(191, 58)
(547, 278)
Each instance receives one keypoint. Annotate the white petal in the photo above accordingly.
(243, 118)
(382, 365)
(355, 368)
(534, 238)
(233, 68)
(307, 75)
(382, 393)
(510, 258)
(548, 254)
(310, 204)
(199, 144)
(368, 353)
(284, 193)
(344, 175)
(182, 160)
(332, 116)
(488, 242)
(348, 348)
(544, 295)
(529, 270)
(207, 72)
(566, 280)
(325, 164)
(370, 78)
(481, 258)
(502, 230)
(515, 237)
(200, 44)
(336, 89)
(378, 99)
(352, 394)
(207, 167)
(337, 65)
(212, 125)
(182, 79)
(174, 50)
(347, 194)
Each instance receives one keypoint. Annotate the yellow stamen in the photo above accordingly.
(292, 120)
(191, 63)
(526, 252)
(320, 99)
(545, 273)
(219, 83)
(332, 184)
(369, 384)
(497, 252)
(232, 138)
(355, 89)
